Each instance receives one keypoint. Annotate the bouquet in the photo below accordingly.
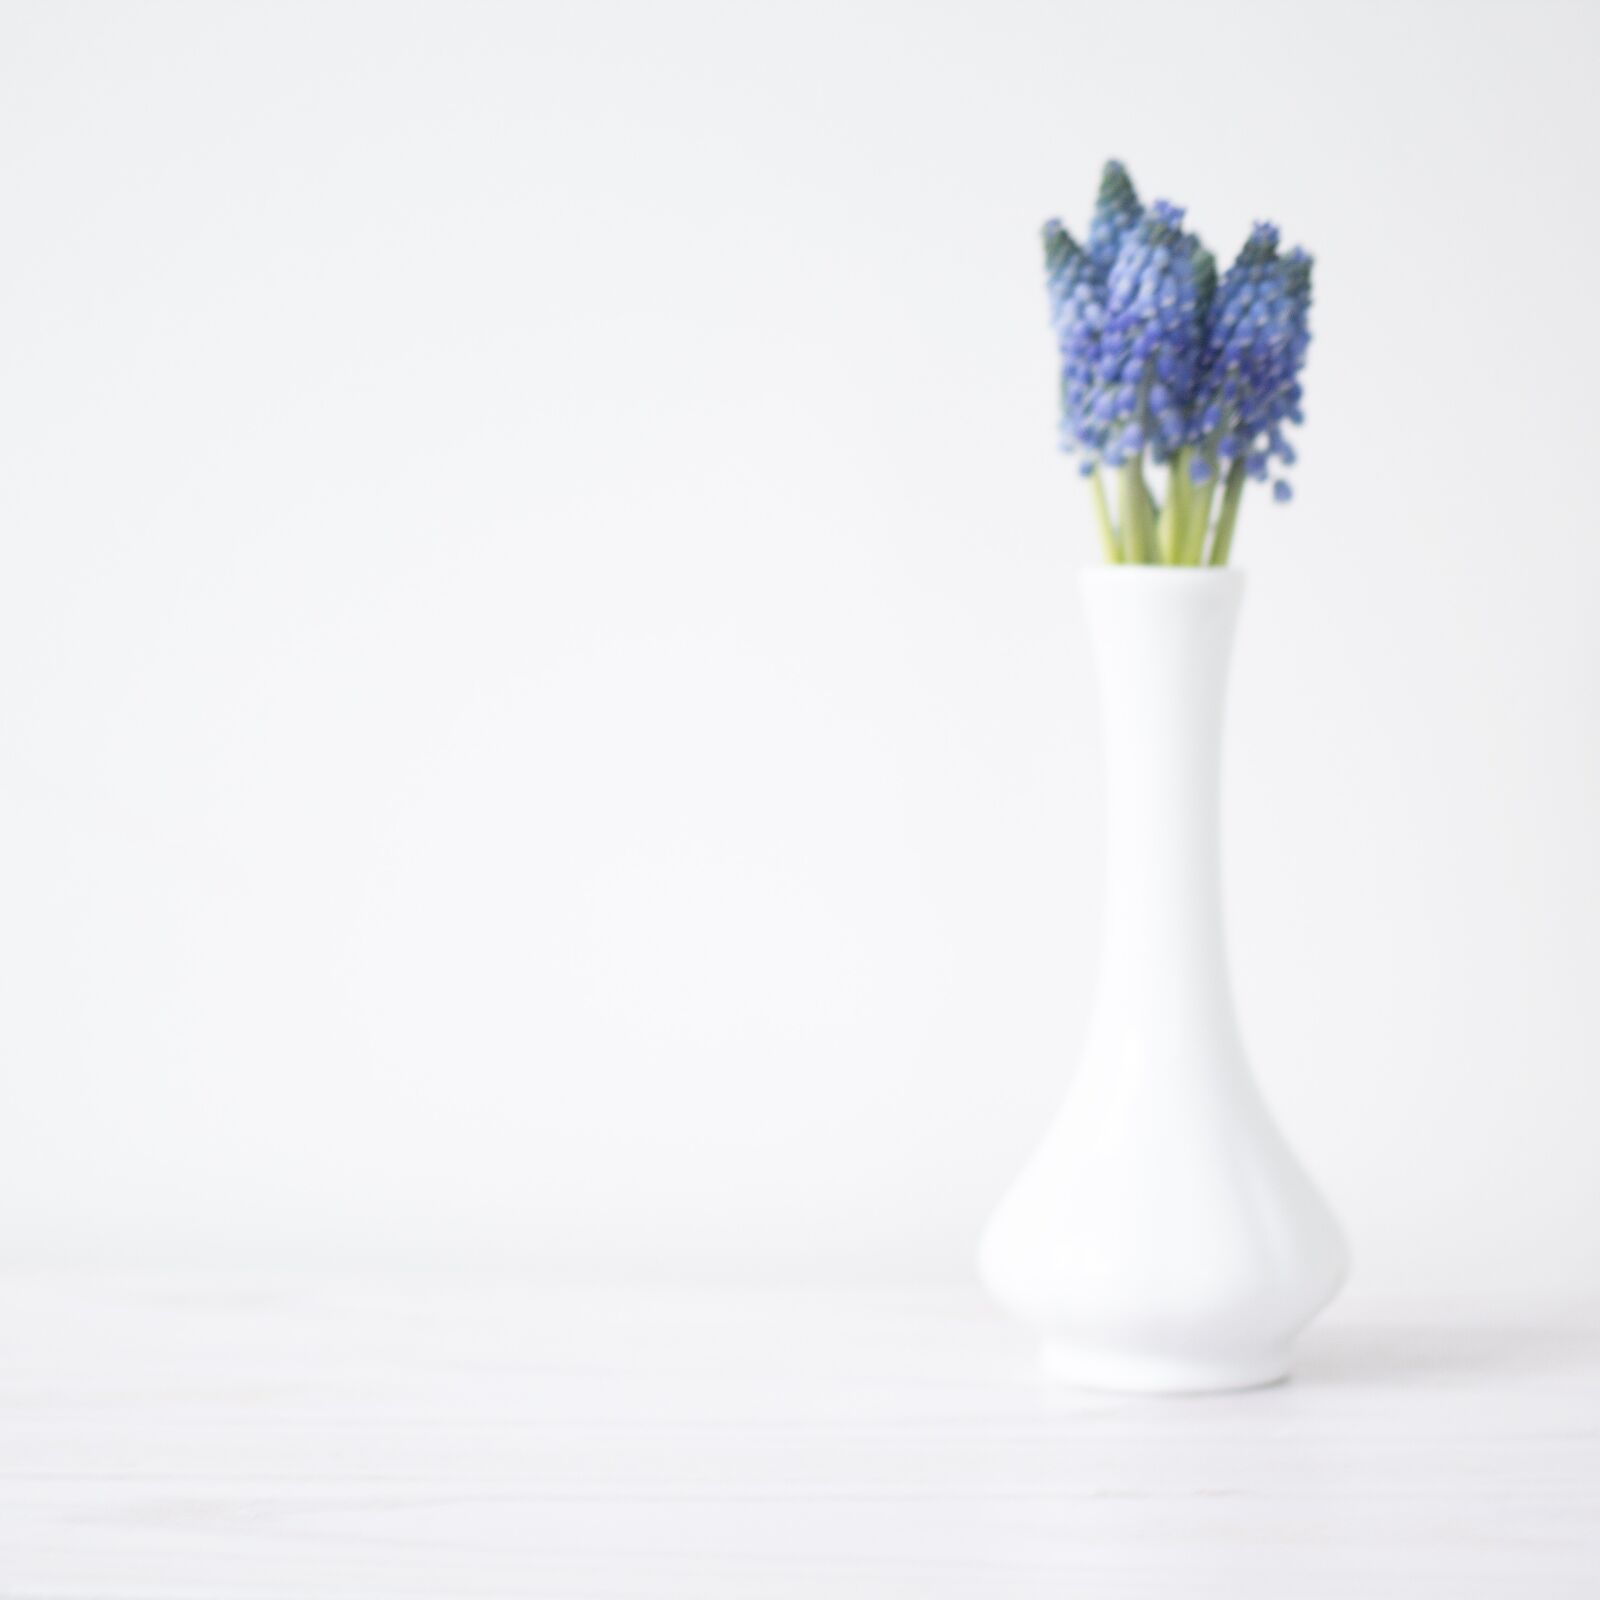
(1160, 356)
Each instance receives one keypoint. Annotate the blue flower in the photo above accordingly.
(1117, 213)
(1156, 353)
(1157, 298)
(1075, 313)
(1256, 343)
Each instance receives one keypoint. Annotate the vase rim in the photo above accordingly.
(1148, 572)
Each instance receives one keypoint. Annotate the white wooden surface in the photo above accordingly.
(462, 1438)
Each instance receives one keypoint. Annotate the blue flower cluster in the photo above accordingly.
(1158, 354)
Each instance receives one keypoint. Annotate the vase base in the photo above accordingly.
(1124, 1372)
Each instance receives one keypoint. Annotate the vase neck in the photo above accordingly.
(1162, 641)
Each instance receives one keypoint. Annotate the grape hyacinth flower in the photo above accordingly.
(1076, 315)
(1117, 213)
(1160, 357)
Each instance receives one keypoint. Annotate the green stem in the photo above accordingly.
(1228, 515)
(1194, 541)
(1178, 511)
(1102, 511)
(1133, 506)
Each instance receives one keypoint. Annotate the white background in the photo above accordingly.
(544, 717)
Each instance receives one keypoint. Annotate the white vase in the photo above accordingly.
(1163, 1238)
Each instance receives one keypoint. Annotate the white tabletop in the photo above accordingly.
(456, 1438)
